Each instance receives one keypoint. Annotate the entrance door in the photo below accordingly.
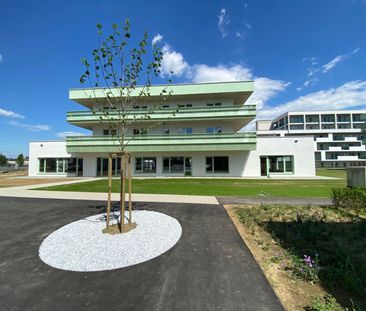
(264, 166)
(188, 166)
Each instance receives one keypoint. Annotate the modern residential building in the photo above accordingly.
(338, 140)
(202, 139)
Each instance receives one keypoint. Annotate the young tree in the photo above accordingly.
(3, 159)
(123, 76)
(20, 159)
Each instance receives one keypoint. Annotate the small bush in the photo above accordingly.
(349, 198)
(306, 268)
(328, 303)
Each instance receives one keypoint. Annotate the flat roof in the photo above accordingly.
(239, 91)
(320, 112)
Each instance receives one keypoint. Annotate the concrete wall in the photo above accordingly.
(301, 148)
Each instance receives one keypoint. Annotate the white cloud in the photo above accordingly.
(157, 39)
(265, 88)
(314, 70)
(245, 5)
(32, 128)
(10, 114)
(172, 62)
(1, 58)
(223, 21)
(329, 66)
(62, 135)
(249, 26)
(347, 96)
(220, 73)
(239, 34)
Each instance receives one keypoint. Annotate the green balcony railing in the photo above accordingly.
(162, 143)
(184, 114)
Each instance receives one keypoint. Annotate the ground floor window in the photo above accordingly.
(102, 166)
(276, 165)
(217, 164)
(177, 165)
(145, 165)
(72, 166)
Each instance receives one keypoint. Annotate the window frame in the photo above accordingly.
(212, 164)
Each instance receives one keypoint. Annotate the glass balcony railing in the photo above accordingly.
(186, 113)
(162, 143)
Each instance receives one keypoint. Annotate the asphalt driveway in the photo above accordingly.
(208, 269)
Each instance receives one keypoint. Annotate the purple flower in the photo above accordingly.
(308, 261)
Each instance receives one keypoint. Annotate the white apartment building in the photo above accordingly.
(202, 139)
(338, 139)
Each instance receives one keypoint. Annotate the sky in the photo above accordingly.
(302, 55)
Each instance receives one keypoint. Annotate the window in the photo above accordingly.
(145, 165)
(184, 105)
(296, 127)
(166, 131)
(217, 104)
(109, 132)
(185, 130)
(277, 165)
(328, 118)
(214, 130)
(312, 118)
(344, 118)
(217, 164)
(141, 131)
(173, 165)
(60, 165)
(297, 119)
(165, 106)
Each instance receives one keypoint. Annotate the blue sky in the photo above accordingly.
(301, 54)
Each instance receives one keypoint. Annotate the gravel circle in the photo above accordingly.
(81, 245)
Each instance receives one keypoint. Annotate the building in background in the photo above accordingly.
(202, 139)
(338, 140)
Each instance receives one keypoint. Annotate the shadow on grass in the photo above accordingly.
(341, 250)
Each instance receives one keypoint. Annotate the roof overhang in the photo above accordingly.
(238, 91)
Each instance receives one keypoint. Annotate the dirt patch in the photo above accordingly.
(294, 294)
(14, 179)
(116, 229)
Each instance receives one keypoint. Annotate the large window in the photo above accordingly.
(174, 165)
(72, 166)
(276, 165)
(217, 164)
(145, 165)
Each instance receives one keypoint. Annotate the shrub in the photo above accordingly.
(349, 198)
(306, 268)
(328, 303)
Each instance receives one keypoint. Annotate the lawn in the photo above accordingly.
(216, 187)
(308, 252)
(336, 173)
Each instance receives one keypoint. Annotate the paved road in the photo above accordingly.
(274, 200)
(209, 268)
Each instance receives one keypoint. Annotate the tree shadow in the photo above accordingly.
(341, 249)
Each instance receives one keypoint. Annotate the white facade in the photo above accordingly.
(337, 134)
(241, 163)
(194, 132)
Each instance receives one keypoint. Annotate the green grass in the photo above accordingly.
(337, 173)
(215, 187)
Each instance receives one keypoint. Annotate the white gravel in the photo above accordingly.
(81, 245)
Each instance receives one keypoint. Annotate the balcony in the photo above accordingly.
(243, 114)
(165, 143)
